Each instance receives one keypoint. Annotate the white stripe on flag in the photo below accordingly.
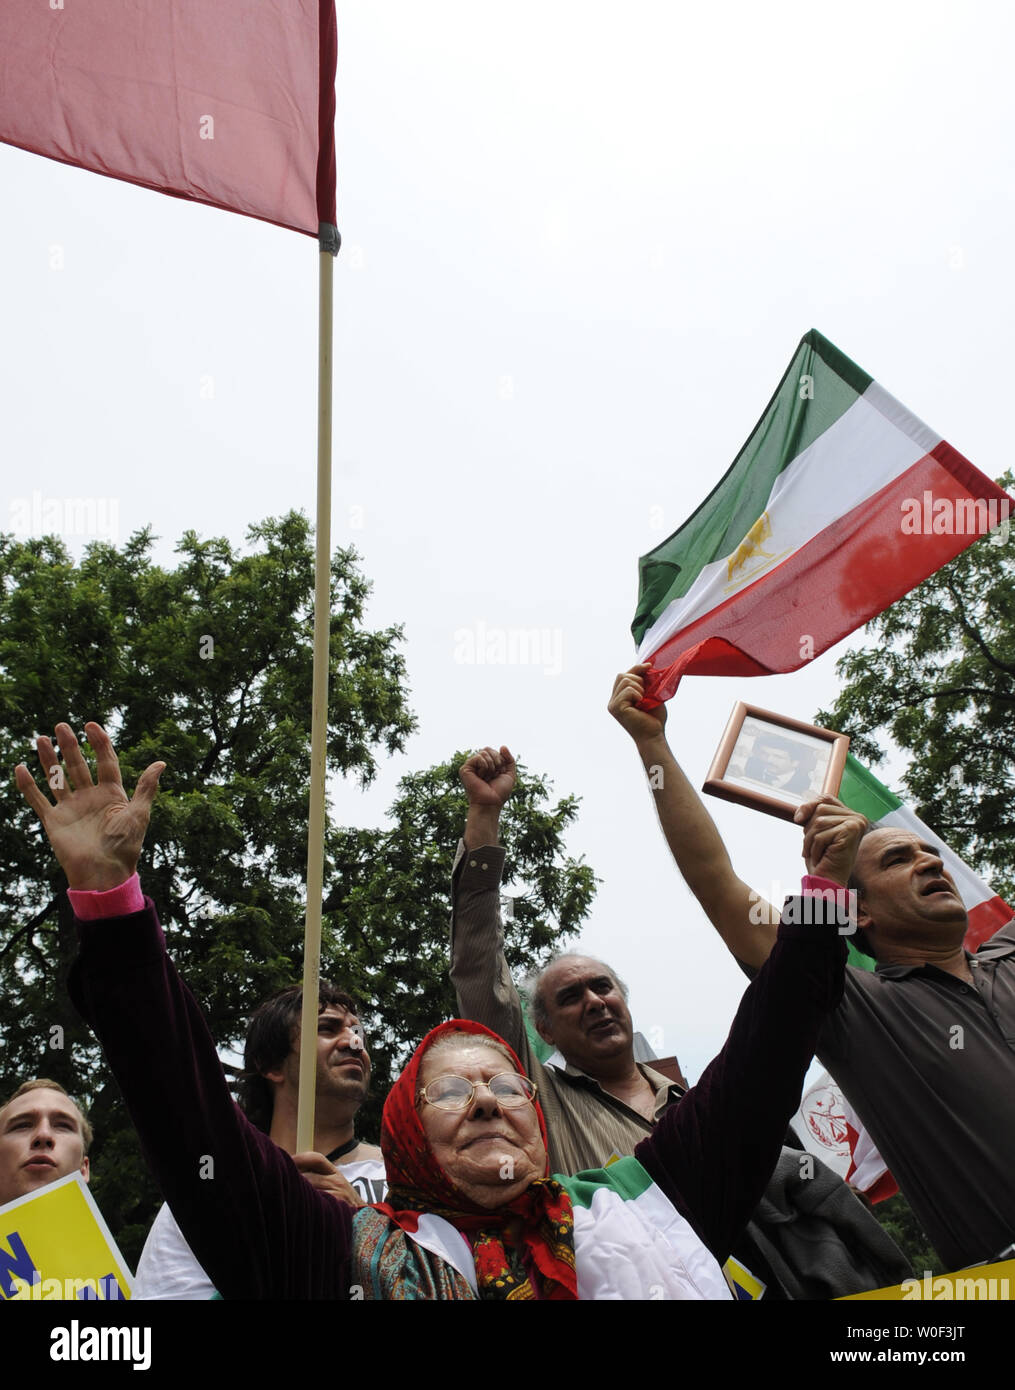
(809, 496)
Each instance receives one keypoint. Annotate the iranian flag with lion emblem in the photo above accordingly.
(840, 502)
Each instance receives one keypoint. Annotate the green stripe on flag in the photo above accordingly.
(838, 362)
(627, 1178)
(540, 1048)
(861, 791)
(818, 387)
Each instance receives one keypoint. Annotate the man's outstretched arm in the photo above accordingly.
(479, 969)
(744, 920)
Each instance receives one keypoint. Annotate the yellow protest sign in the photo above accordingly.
(746, 1286)
(992, 1281)
(55, 1244)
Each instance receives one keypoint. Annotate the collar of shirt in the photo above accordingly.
(782, 780)
(666, 1090)
(984, 956)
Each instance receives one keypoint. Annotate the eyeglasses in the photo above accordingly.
(508, 1089)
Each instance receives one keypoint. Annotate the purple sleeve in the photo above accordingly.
(257, 1227)
(714, 1152)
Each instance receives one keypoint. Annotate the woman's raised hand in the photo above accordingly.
(95, 831)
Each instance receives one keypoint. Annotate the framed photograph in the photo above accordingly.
(774, 764)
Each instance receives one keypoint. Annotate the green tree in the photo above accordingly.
(896, 1216)
(939, 679)
(207, 667)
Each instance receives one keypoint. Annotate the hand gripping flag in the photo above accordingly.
(226, 102)
(839, 503)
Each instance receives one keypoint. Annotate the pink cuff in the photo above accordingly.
(813, 887)
(116, 902)
(810, 883)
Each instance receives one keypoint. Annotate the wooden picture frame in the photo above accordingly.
(774, 764)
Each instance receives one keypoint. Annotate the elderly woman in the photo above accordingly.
(472, 1213)
(471, 1209)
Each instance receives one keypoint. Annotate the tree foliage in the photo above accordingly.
(207, 666)
(897, 1219)
(939, 679)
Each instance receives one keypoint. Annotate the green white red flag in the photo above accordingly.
(840, 502)
(226, 102)
(861, 791)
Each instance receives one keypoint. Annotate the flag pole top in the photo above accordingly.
(329, 238)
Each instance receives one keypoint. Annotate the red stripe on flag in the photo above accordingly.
(984, 920)
(840, 579)
(883, 1187)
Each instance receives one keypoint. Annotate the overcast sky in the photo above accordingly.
(581, 242)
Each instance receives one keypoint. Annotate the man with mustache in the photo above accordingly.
(351, 1170)
(43, 1136)
(923, 1047)
(597, 1100)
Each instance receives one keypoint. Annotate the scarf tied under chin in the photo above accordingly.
(522, 1250)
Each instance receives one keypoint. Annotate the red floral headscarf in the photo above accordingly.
(524, 1249)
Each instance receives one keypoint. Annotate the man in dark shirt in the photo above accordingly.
(924, 1048)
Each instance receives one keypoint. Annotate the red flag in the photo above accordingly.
(226, 102)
